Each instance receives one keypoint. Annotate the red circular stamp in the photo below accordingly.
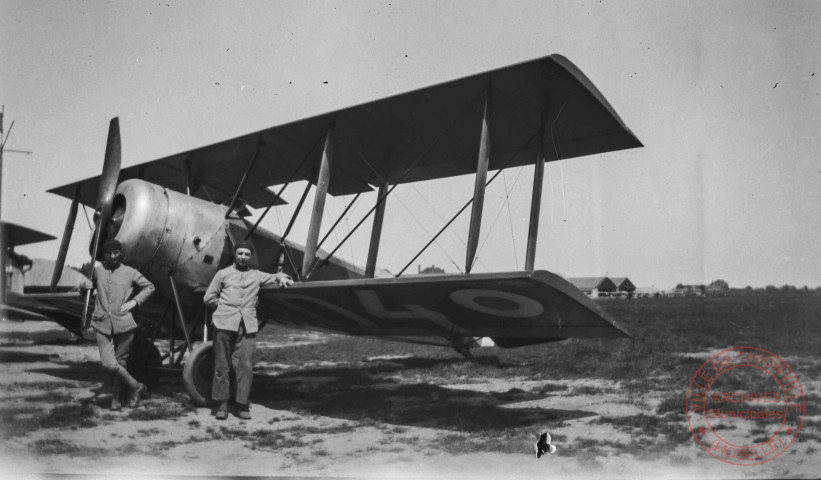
(745, 406)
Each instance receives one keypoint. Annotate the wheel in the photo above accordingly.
(143, 359)
(198, 373)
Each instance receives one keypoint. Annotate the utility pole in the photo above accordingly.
(4, 240)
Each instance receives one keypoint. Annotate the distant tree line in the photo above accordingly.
(723, 288)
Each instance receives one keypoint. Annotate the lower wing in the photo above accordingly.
(514, 309)
(65, 308)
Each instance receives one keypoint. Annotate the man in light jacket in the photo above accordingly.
(112, 321)
(233, 292)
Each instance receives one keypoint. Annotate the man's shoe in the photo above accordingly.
(222, 412)
(243, 412)
(115, 403)
(136, 395)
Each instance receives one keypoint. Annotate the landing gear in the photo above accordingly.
(465, 352)
(198, 373)
(462, 345)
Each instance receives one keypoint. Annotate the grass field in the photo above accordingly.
(362, 378)
(785, 324)
(602, 400)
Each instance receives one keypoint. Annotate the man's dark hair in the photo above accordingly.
(244, 244)
(112, 244)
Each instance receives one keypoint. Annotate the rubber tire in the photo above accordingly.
(198, 374)
(143, 358)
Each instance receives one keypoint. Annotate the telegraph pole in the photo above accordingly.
(4, 240)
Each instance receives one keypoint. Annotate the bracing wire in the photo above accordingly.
(88, 221)
(322, 262)
(487, 237)
(561, 166)
(284, 186)
(427, 232)
(466, 205)
(279, 220)
(458, 237)
(510, 217)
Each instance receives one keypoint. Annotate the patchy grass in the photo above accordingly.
(302, 430)
(60, 417)
(589, 390)
(8, 412)
(67, 416)
(159, 411)
(49, 397)
(52, 446)
(53, 336)
(674, 405)
(810, 431)
(56, 446)
(45, 386)
(511, 441)
(261, 439)
(783, 324)
(649, 425)
(583, 447)
(812, 404)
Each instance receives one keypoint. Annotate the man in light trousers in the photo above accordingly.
(233, 292)
(112, 321)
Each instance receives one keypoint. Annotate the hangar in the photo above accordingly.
(594, 286)
(624, 284)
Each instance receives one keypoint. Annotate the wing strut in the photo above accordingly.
(68, 231)
(243, 180)
(282, 247)
(479, 187)
(344, 212)
(376, 230)
(322, 181)
(398, 180)
(455, 216)
(535, 204)
(282, 190)
(189, 179)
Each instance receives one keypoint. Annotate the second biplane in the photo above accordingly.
(178, 217)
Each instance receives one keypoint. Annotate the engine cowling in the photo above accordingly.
(165, 231)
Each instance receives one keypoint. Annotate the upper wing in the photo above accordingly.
(516, 308)
(425, 134)
(18, 235)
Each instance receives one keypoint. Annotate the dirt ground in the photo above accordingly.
(166, 436)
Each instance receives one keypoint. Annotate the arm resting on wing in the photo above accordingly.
(282, 278)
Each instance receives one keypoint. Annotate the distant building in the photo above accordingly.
(718, 286)
(38, 277)
(648, 292)
(623, 284)
(15, 265)
(431, 269)
(594, 286)
(689, 290)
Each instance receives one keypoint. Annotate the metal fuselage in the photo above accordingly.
(167, 234)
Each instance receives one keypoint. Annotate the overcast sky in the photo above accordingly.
(724, 96)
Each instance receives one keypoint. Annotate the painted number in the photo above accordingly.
(496, 303)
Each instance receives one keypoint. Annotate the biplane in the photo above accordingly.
(178, 216)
